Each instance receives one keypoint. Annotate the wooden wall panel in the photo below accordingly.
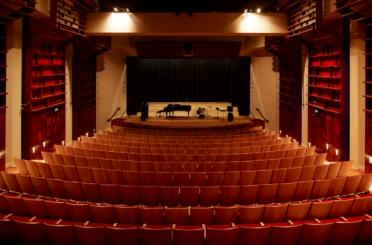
(328, 91)
(368, 97)
(2, 94)
(290, 67)
(83, 88)
(43, 95)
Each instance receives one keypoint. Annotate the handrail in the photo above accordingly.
(113, 115)
(262, 116)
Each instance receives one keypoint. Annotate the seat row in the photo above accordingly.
(251, 214)
(178, 149)
(239, 146)
(93, 162)
(182, 158)
(23, 230)
(148, 178)
(179, 133)
(185, 195)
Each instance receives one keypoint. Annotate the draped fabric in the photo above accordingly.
(163, 80)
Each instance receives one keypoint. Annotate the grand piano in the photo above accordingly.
(171, 108)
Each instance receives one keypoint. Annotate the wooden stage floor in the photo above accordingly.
(187, 122)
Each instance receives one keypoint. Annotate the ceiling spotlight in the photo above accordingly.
(115, 9)
(258, 10)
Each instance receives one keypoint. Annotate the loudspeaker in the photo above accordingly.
(230, 117)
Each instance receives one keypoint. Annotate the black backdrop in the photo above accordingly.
(161, 80)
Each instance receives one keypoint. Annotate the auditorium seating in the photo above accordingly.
(103, 175)
(132, 188)
(287, 162)
(35, 230)
(205, 195)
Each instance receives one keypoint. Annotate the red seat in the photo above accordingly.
(36, 207)
(110, 193)
(336, 186)
(91, 192)
(152, 215)
(127, 214)
(189, 195)
(169, 195)
(178, 216)
(40, 186)
(231, 178)
(11, 181)
(275, 213)
(100, 176)
(79, 212)
(8, 232)
(31, 232)
(345, 232)
(25, 184)
(320, 188)
(251, 214)
(226, 215)
(16, 205)
(57, 188)
(57, 210)
(128, 235)
(315, 233)
(201, 215)
(365, 234)
(102, 213)
(129, 194)
(320, 210)
(285, 234)
(149, 195)
(74, 190)
(303, 190)
(230, 195)
(60, 234)
(267, 193)
(209, 195)
(85, 174)
(298, 211)
(217, 235)
(286, 192)
(156, 235)
(258, 235)
(248, 194)
(188, 235)
(91, 235)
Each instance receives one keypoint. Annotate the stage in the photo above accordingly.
(184, 122)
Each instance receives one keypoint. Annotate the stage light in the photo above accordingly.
(63, 142)
(245, 11)
(337, 152)
(44, 143)
(127, 10)
(327, 146)
(258, 10)
(33, 149)
(115, 9)
(309, 144)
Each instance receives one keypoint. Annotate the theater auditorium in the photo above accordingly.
(185, 122)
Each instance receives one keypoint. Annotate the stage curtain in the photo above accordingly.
(184, 80)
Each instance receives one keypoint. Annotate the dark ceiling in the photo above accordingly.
(188, 6)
